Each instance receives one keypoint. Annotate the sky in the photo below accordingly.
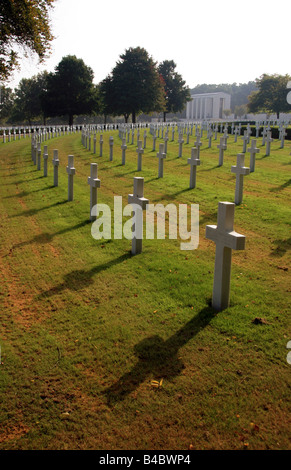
(213, 42)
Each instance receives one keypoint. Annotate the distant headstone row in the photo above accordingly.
(240, 170)
(223, 235)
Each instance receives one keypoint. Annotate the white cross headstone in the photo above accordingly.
(282, 136)
(180, 141)
(35, 151)
(94, 144)
(198, 144)
(188, 135)
(145, 139)
(221, 148)
(45, 159)
(101, 145)
(111, 142)
(39, 156)
(268, 145)
(215, 132)
(166, 138)
(161, 156)
(225, 136)
(123, 148)
(240, 170)
(245, 139)
(193, 162)
(257, 129)
(236, 132)
(94, 183)
(226, 240)
(253, 150)
(264, 135)
(173, 134)
(139, 152)
(210, 134)
(154, 141)
(71, 172)
(139, 205)
(56, 163)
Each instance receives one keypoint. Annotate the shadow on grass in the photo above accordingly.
(80, 278)
(174, 195)
(27, 193)
(282, 247)
(158, 358)
(21, 181)
(14, 166)
(283, 186)
(153, 179)
(119, 175)
(31, 212)
(48, 237)
(212, 168)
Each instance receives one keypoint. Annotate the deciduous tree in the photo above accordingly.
(177, 93)
(24, 24)
(271, 95)
(70, 90)
(6, 103)
(136, 85)
(28, 99)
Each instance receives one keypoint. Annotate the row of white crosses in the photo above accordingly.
(86, 137)
(240, 170)
(222, 234)
(42, 134)
(184, 127)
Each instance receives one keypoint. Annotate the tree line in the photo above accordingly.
(136, 85)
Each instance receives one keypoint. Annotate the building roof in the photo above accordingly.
(221, 93)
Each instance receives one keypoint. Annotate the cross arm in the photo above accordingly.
(140, 201)
(232, 240)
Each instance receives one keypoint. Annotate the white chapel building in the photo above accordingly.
(207, 106)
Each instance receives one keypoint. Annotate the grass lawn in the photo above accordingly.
(104, 350)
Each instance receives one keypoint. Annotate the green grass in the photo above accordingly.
(86, 327)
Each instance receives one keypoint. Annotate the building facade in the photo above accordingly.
(207, 106)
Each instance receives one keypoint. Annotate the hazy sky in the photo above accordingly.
(213, 41)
